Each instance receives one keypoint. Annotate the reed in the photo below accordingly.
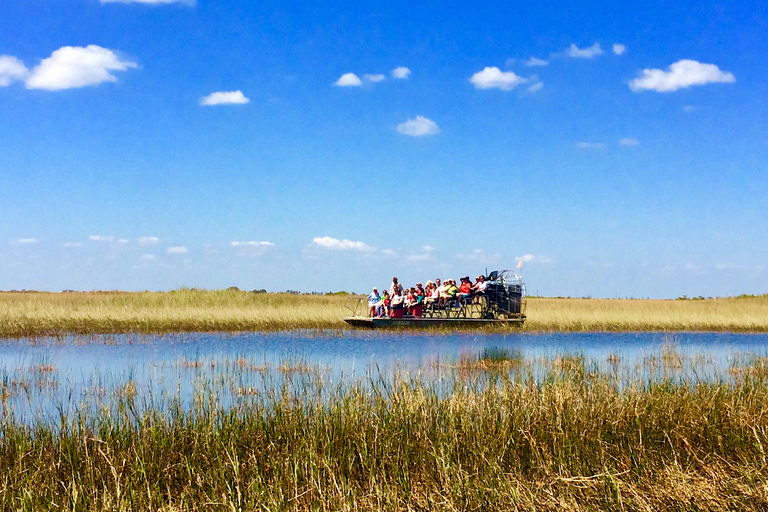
(189, 310)
(572, 438)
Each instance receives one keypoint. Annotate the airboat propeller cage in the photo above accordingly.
(506, 289)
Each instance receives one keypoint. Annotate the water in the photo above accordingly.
(43, 377)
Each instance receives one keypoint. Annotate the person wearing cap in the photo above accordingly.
(465, 290)
(373, 302)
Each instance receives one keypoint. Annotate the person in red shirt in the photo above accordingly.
(465, 289)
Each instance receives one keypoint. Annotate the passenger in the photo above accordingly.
(396, 301)
(395, 288)
(479, 287)
(373, 302)
(440, 289)
(411, 299)
(384, 304)
(421, 294)
(431, 290)
(465, 290)
(449, 293)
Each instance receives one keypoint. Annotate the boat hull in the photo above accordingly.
(384, 323)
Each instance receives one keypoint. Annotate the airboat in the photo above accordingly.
(503, 302)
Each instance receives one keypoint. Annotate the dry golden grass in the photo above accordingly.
(39, 313)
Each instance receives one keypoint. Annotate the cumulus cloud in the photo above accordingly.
(619, 48)
(75, 66)
(590, 145)
(584, 53)
(526, 258)
(349, 80)
(121, 241)
(493, 77)
(148, 240)
(418, 127)
(341, 245)
(680, 75)
(401, 72)
(101, 238)
(533, 61)
(177, 250)
(387, 252)
(536, 87)
(25, 241)
(374, 78)
(224, 98)
(147, 257)
(629, 142)
(689, 108)
(11, 70)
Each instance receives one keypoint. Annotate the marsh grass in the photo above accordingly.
(189, 310)
(573, 439)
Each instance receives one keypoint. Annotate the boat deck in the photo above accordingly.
(372, 323)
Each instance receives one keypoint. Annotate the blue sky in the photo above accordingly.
(618, 150)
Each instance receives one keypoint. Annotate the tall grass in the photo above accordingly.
(571, 439)
(31, 314)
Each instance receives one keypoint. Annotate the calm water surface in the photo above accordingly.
(62, 372)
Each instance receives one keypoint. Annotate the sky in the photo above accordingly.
(616, 150)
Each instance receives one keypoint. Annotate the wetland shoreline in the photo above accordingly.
(29, 314)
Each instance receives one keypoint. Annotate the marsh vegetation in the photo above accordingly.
(189, 310)
(491, 431)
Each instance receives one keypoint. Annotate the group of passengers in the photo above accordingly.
(399, 300)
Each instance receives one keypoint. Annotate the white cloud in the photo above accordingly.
(533, 61)
(584, 53)
(148, 240)
(11, 70)
(526, 258)
(25, 241)
(401, 72)
(536, 87)
(349, 80)
(121, 241)
(374, 78)
(418, 127)
(151, 2)
(690, 108)
(100, 238)
(147, 257)
(224, 98)
(341, 245)
(252, 244)
(493, 77)
(590, 145)
(619, 48)
(629, 142)
(427, 248)
(388, 252)
(72, 244)
(253, 248)
(75, 66)
(177, 250)
(683, 73)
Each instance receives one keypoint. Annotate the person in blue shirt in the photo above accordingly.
(373, 302)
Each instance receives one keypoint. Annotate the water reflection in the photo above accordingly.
(45, 378)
